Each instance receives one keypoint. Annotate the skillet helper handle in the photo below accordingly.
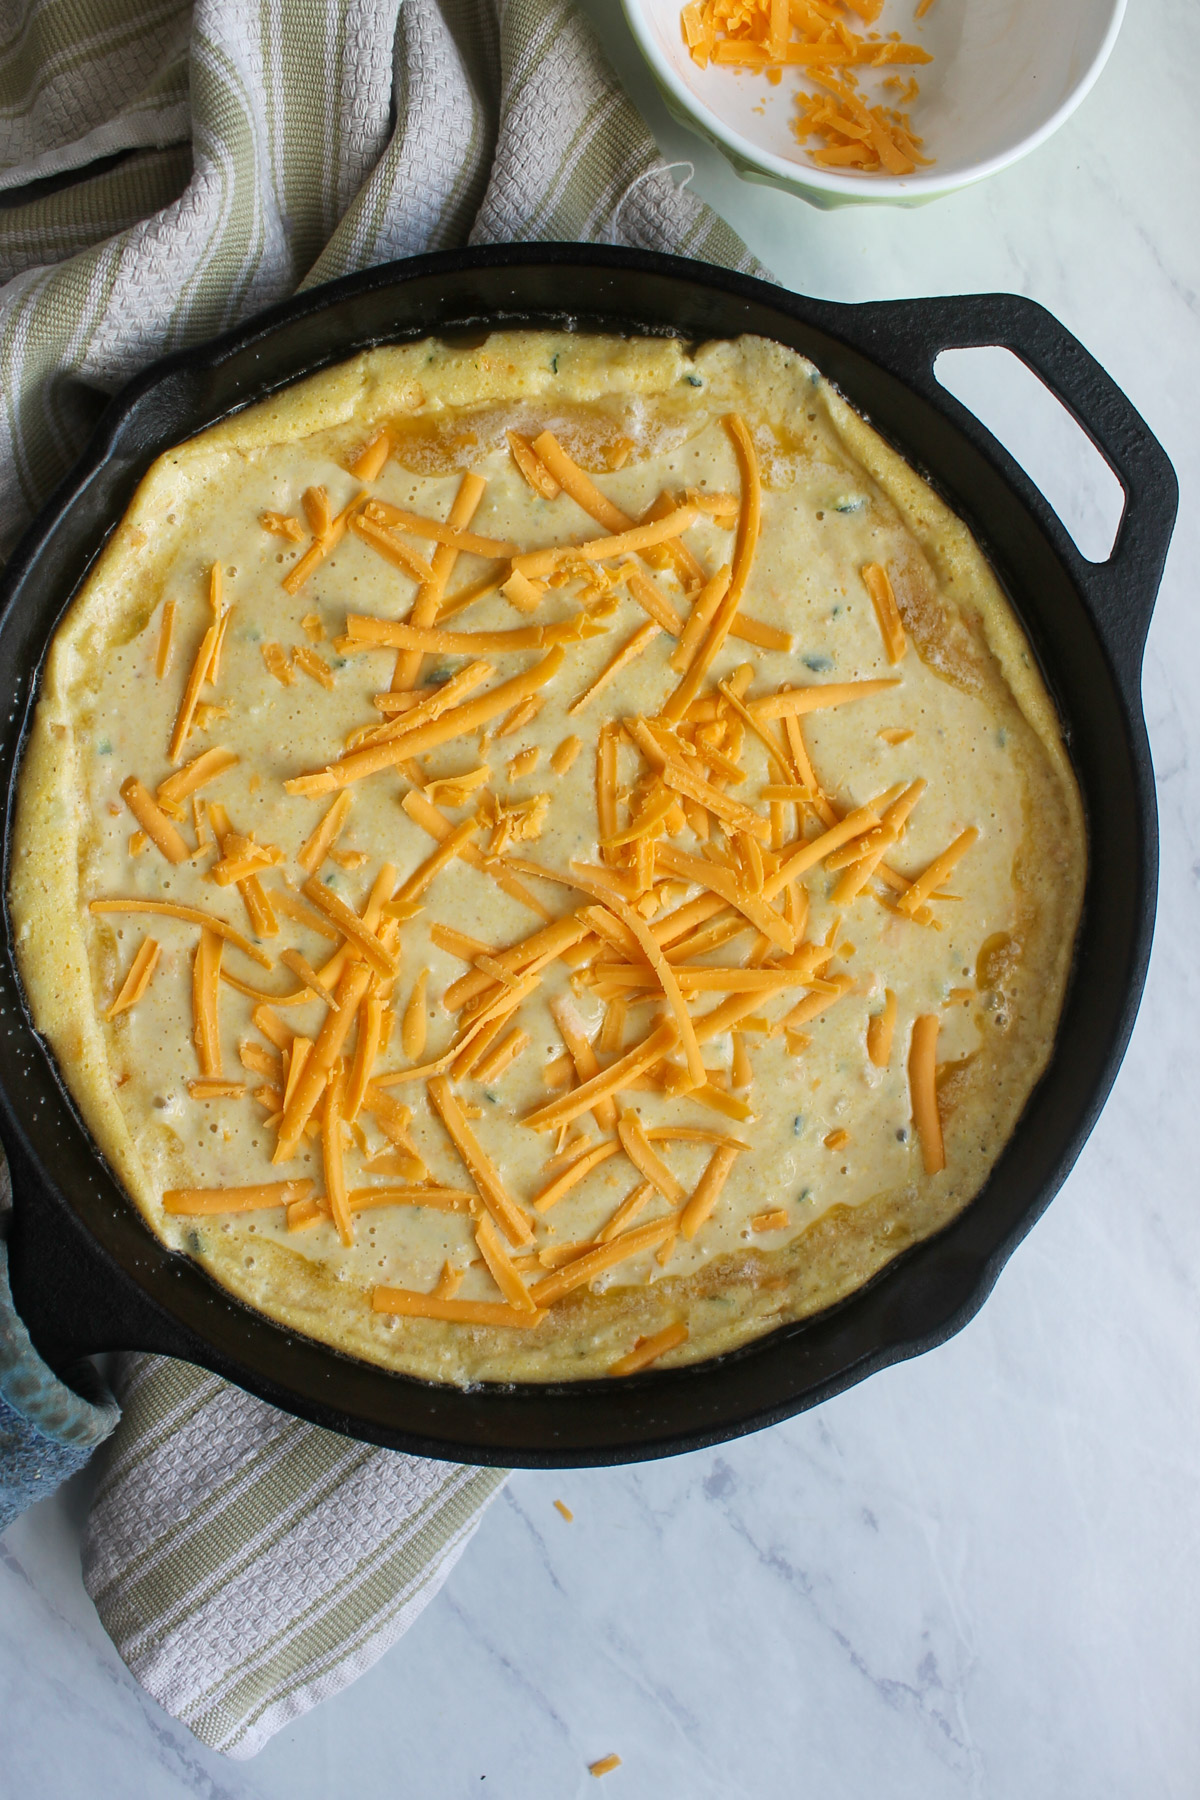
(73, 1301)
(1121, 591)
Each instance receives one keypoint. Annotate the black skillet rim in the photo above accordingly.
(922, 1297)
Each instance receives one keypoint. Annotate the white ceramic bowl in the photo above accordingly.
(1004, 75)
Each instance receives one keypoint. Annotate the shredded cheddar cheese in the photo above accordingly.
(628, 652)
(922, 1082)
(880, 1029)
(282, 525)
(315, 504)
(645, 1158)
(254, 1198)
(524, 763)
(580, 488)
(449, 1282)
(326, 834)
(869, 852)
(526, 595)
(194, 775)
(759, 633)
(609, 1081)
(676, 880)
(319, 549)
(403, 636)
(299, 965)
(450, 534)
(704, 607)
(532, 467)
(647, 1350)
(352, 927)
(495, 1196)
(394, 549)
(794, 702)
(565, 755)
(318, 1065)
(368, 464)
(767, 36)
(372, 1030)
(708, 1191)
(403, 1302)
(137, 980)
(153, 820)
(313, 665)
(536, 563)
(878, 584)
(206, 975)
(450, 847)
(166, 633)
(460, 721)
(490, 1068)
(595, 1262)
(423, 813)
(168, 909)
(197, 676)
(428, 602)
(663, 972)
(331, 1156)
(731, 888)
(927, 884)
(414, 1024)
(652, 601)
(500, 1265)
(521, 715)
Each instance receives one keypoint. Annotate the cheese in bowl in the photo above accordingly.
(540, 859)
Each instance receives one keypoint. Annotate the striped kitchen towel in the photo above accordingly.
(245, 1564)
(325, 135)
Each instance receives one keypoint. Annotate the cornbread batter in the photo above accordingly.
(548, 857)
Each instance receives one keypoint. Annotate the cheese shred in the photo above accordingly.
(880, 1029)
(492, 1191)
(192, 914)
(922, 1085)
(166, 633)
(192, 1202)
(708, 836)
(197, 676)
(647, 1350)
(708, 1190)
(153, 820)
(138, 979)
(404, 1303)
(878, 584)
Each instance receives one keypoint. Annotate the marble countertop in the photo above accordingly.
(975, 1575)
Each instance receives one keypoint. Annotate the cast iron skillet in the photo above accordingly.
(88, 1275)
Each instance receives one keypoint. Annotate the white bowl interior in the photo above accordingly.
(1004, 73)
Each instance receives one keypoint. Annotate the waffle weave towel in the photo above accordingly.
(247, 1565)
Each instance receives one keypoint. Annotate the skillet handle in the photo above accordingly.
(1120, 593)
(71, 1297)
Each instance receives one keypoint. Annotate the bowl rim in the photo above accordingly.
(923, 184)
